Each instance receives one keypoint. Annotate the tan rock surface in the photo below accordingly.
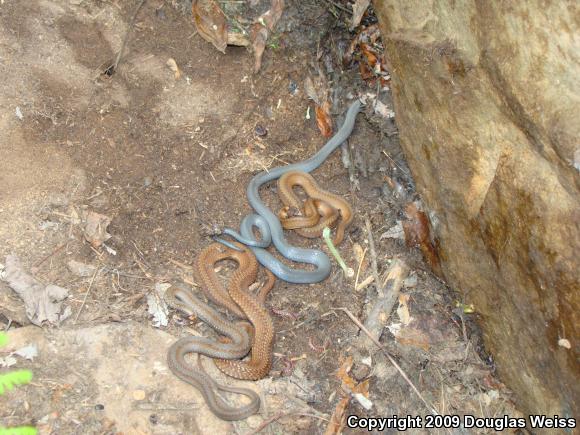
(487, 98)
(121, 367)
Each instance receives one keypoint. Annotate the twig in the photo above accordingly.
(111, 69)
(339, 6)
(87, 294)
(281, 415)
(180, 264)
(357, 322)
(373, 256)
(364, 283)
(397, 273)
(42, 260)
(360, 263)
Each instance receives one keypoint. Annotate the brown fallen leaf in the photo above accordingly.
(368, 35)
(369, 54)
(323, 119)
(338, 417)
(348, 383)
(358, 10)
(261, 30)
(210, 22)
(95, 227)
(417, 233)
(413, 337)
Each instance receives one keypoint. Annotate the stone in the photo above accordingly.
(487, 101)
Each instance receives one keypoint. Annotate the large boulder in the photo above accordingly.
(487, 96)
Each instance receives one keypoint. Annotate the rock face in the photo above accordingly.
(487, 98)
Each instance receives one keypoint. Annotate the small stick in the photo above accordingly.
(364, 283)
(111, 69)
(87, 294)
(180, 264)
(362, 259)
(42, 260)
(326, 236)
(373, 256)
(357, 322)
(397, 273)
(283, 414)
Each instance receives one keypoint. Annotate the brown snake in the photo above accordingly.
(311, 220)
(286, 184)
(250, 307)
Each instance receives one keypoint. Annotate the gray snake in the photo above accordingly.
(181, 298)
(270, 227)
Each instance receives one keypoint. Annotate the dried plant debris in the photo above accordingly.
(43, 303)
(417, 233)
(323, 119)
(157, 306)
(95, 227)
(366, 49)
(211, 23)
(261, 30)
(358, 391)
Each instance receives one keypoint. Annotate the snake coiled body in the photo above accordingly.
(270, 227)
(249, 307)
(181, 298)
(313, 215)
(286, 184)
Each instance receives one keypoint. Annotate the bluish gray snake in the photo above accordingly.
(270, 227)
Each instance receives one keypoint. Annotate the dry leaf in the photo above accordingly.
(358, 10)
(342, 374)
(310, 90)
(173, 67)
(261, 30)
(338, 417)
(43, 302)
(211, 23)
(416, 229)
(413, 337)
(369, 54)
(323, 119)
(95, 227)
(403, 310)
(368, 35)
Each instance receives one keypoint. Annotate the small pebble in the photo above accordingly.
(160, 13)
(153, 419)
(138, 394)
(99, 407)
(147, 181)
(254, 421)
(260, 130)
(292, 87)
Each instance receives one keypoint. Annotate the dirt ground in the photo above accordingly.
(168, 160)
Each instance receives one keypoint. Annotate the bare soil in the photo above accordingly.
(168, 160)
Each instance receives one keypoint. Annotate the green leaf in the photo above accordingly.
(3, 339)
(22, 430)
(11, 379)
